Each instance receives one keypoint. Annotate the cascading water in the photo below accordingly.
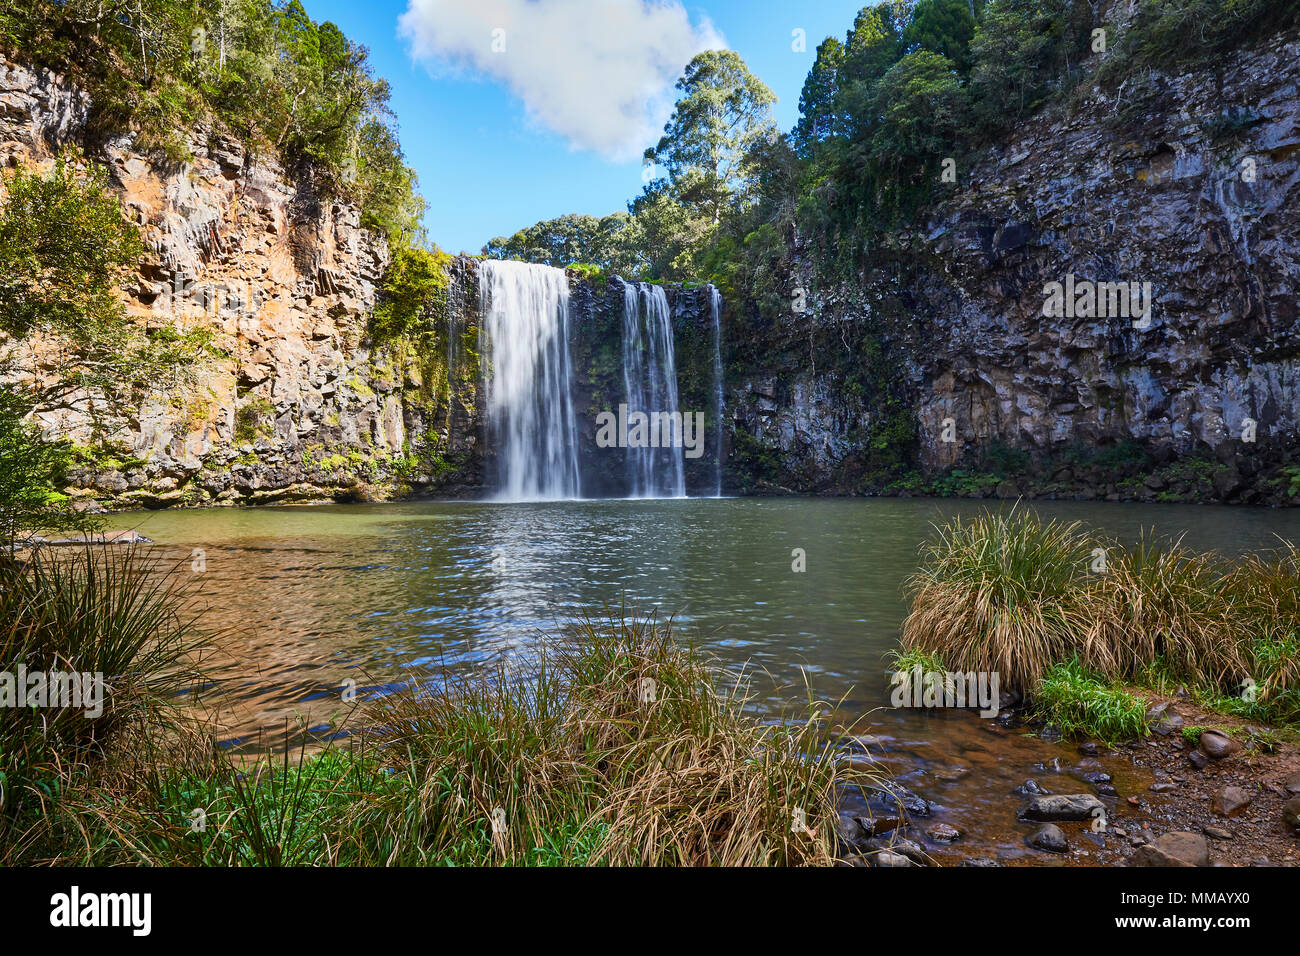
(650, 382)
(524, 340)
(715, 312)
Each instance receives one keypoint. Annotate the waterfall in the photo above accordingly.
(715, 312)
(524, 341)
(650, 383)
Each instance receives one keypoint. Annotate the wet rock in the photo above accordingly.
(1049, 837)
(1050, 733)
(980, 861)
(1230, 801)
(943, 833)
(1089, 749)
(1218, 746)
(895, 796)
(1030, 787)
(1078, 806)
(1162, 787)
(912, 850)
(1292, 785)
(1198, 759)
(1216, 833)
(886, 858)
(1180, 848)
(874, 826)
(849, 829)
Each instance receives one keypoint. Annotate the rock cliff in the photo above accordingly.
(295, 402)
(1194, 188)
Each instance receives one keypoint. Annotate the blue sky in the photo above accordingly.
(553, 122)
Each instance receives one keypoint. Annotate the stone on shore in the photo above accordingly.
(1179, 848)
(1078, 806)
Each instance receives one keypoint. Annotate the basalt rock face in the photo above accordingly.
(295, 401)
(1194, 189)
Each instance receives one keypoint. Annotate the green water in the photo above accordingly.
(310, 597)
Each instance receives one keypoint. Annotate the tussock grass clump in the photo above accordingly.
(1164, 602)
(632, 744)
(1005, 594)
(1266, 591)
(1011, 594)
(620, 747)
(90, 612)
(1081, 703)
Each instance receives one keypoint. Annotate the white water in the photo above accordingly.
(650, 382)
(524, 341)
(715, 312)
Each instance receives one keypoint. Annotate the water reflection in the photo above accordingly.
(310, 597)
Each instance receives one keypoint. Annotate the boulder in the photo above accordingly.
(1049, 837)
(1230, 801)
(1078, 806)
(1218, 746)
(1180, 848)
(943, 833)
(1291, 813)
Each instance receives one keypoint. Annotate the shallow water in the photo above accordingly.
(314, 596)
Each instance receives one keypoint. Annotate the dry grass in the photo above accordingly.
(1008, 593)
(1004, 593)
(622, 748)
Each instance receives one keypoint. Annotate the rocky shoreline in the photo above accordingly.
(1230, 799)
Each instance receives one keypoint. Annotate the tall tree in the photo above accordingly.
(817, 112)
(945, 27)
(723, 113)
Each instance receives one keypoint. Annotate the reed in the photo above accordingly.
(1009, 593)
(1004, 593)
(620, 747)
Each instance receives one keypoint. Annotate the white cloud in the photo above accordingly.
(600, 73)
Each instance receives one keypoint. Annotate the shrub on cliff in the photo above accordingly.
(32, 469)
(263, 69)
(411, 293)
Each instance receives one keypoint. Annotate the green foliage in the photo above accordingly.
(250, 420)
(65, 245)
(600, 242)
(944, 27)
(263, 69)
(1166, 33)
(818, 118)
(724, 112)
(32, 470)
(411, 293)
(1023, 51)
(921, 107)
(1080, 703)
